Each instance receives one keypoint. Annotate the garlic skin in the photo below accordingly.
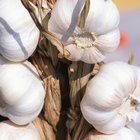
(99, 36)
(18, 33)
(10, 131)
(21, 91)
(126, 133)
(112, 97)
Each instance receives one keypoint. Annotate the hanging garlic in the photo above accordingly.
(99, 36)
(18, 33)
(126, 133)
(10, 131)
(112, 97)
(21, 91)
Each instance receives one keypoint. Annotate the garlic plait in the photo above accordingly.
(18, 33)
(99, 36)
(21, 91)
(126, 133)
(10, 131)
(112, 97)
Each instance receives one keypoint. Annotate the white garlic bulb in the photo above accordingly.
(10, 131)
(99, 36)
(18, 33)
(112, 97)
(21, 91)
(126, 133)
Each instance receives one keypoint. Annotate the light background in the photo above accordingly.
(129, 25)
(127, 4)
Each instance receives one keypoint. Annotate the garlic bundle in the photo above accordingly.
(126, 133)
(21, 91)
(98, 37)
(10, 131)
(18, 33)
(112, 97)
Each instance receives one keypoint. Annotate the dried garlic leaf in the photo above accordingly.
(52, 105)
(131, 58)
(45, 130)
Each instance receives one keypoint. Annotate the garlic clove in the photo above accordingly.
(112, 126)
(21, 117)
(73, 49)
(109, 42)
(106, 122)
(62, 20)
(10, 131)
(103, 16)
(110, 100)
(127, 133)
(19, 37)
(90, 55)
(21, 91)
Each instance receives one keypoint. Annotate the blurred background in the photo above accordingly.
(130, 31)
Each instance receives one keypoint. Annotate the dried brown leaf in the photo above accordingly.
(52, 101)
(45, 130)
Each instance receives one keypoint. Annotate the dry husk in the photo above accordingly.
(64, 81)
(45, 130)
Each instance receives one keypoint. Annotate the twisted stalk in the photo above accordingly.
(78, 79)
(53, 73)
(52, 104)
(64, 82)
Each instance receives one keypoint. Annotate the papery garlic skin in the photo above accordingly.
(126, 133)
(112, 97)
(10, 131)
(21, 92)
(99, 36)
(18, 33)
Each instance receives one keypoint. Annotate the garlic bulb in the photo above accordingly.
(21, 91)
(112, 97)
(99, 36)
(126, 133)
(18, 33)
(10, 131)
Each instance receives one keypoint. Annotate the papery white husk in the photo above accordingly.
(10, 131)
(112, 97)
(126, 133)
(21, 91)
(99, 36)
(18, 33)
